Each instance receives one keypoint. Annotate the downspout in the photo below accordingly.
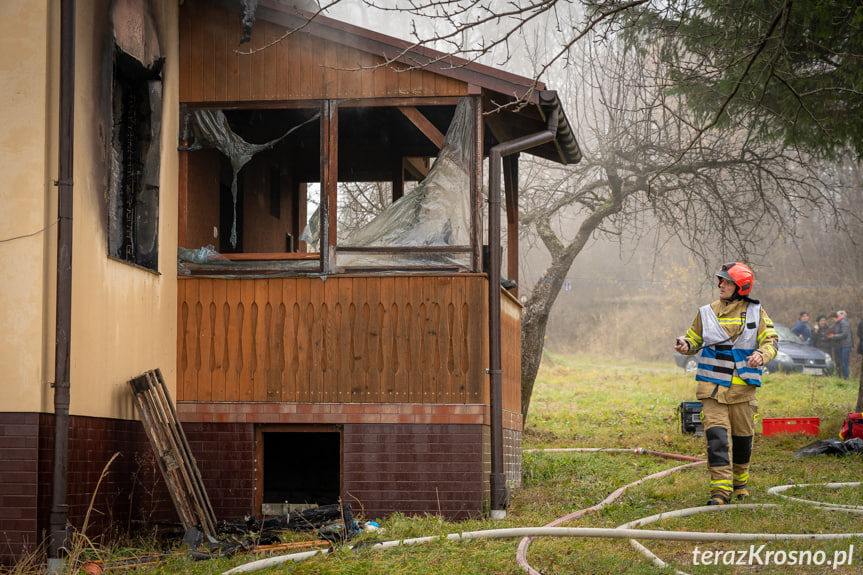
(499, 493)
(59, 507)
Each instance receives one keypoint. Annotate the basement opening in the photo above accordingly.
(300, 470)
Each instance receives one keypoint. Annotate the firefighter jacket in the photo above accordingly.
(730, 331)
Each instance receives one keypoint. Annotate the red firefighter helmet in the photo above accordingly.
(740, 274)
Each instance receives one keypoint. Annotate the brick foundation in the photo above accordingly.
(132, 494)
(394, 458)
(414, 469)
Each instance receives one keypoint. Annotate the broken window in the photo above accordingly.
(434, 214)
(251, 196)
(247, 187)
(133, 222)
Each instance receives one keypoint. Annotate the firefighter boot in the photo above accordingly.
(718, 498)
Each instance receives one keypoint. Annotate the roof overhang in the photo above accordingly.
(515, 105)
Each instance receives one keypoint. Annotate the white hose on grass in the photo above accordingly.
(524, 544)
(625, 531)
(657, 562)
(604, 532)
(780, 488)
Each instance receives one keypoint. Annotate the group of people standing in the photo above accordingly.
(832, 335)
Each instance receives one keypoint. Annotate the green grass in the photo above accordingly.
(595, 402)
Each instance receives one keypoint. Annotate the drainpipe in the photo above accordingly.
(59, 507)
(499, 493)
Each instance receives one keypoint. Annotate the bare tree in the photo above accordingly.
(725, 196)
(718, 187)
(360, 202)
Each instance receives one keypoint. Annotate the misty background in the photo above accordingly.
(635, 286)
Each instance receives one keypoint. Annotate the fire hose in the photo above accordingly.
(626, 531)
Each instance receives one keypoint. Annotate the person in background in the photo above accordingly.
(736, 338)
(843, 341)
(860, 336)
(802, 328)
(819, 335)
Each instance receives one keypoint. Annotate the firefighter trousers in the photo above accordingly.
(728, 428)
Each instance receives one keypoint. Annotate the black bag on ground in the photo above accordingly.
(831, 447)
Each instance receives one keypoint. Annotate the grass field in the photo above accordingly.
(592, 402)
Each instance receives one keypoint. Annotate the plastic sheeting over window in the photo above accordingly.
(211, 129)
(434, 213)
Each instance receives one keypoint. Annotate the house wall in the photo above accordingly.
(202, 200)
(296, 67)
(132, 495)
(29, 119)
(349, 339)
(123, 317)
(407, 457)
(264, 233)
(415, 469)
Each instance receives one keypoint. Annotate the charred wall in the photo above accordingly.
(135, 70)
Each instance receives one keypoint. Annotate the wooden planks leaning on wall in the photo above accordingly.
(346, 339)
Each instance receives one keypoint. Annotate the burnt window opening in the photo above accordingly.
(301, 468)
(133, 221)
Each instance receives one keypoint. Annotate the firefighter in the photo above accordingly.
(736, 339)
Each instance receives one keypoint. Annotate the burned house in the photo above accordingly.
(312, 358)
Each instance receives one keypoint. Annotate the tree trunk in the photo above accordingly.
(536, 313)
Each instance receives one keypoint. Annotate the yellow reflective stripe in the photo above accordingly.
(742, 478)
(730, 320)
(735, 380)
(694, 337)
(724, 484)
(767, 332)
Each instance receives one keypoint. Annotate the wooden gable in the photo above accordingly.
(214, 67)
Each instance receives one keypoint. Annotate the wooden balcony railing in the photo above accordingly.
(343, 339)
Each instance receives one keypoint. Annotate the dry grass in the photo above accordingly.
(587, 402)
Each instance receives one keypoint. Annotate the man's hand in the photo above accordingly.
(755, 360)
(682, 345)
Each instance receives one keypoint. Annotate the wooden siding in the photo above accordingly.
(298, 67)
(348, 339)
(510, 360)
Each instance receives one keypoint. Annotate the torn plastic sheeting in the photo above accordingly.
(211, 128)
(249, 9)
(203, 255)
(434, 213)
(312, 234)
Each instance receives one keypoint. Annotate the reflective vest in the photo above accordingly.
(721, 359)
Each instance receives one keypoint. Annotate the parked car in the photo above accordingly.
(794, 356)
(689, 363)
